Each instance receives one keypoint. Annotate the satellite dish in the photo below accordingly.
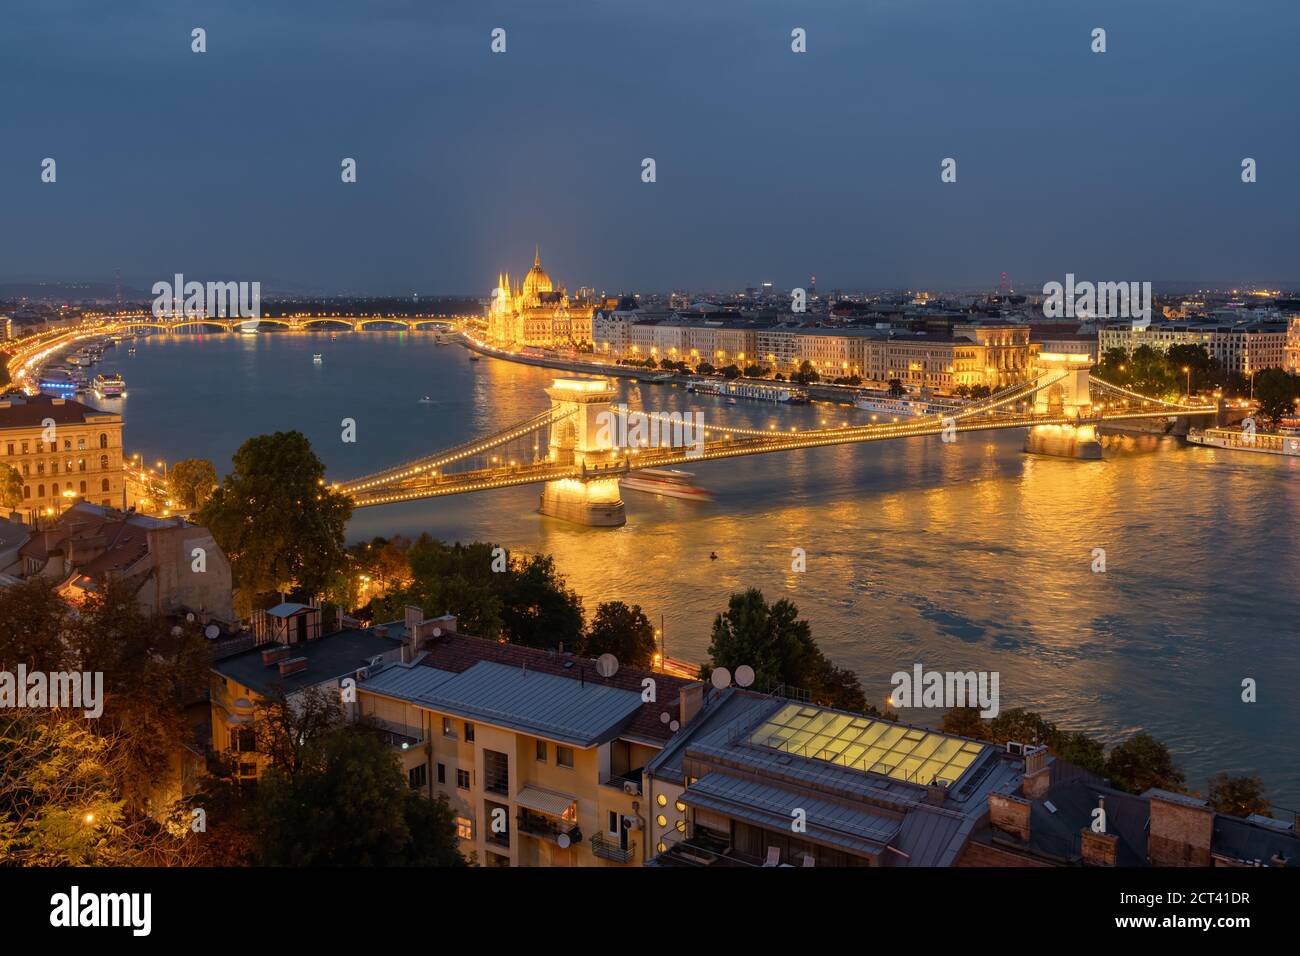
(176, 631)
(563, 841)
(744, 675)
(212, 632)
(190, 617)
(437, 632)
(607, 665)
(721, 678)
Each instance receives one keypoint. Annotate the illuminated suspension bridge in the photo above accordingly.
(583, 461)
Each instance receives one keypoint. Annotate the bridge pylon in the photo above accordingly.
(1063, 378)
(583, 438)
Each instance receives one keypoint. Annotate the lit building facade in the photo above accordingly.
(64, 451)
(1244, 348)
(537, 314)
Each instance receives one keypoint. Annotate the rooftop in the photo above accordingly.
(31, 412)
(329, 658)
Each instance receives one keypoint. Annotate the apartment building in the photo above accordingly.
(65, 451)
(1243, 347)
(173, 565)
(541, 756)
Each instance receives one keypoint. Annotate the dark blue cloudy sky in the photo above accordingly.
(771, 165)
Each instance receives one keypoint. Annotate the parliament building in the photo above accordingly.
(538, 314)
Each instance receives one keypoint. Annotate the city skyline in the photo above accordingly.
(458, 174)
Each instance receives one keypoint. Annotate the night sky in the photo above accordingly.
(771, 165)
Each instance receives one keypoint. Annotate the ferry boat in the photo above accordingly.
(58, 384)
(668, 482)
(315, 359)
(109, 385)
(759, 391)
(1286, 441)
(899, 407)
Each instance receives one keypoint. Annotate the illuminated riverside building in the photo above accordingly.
(1242, 347)
(537, 314)
(976, 353)
(64, 451)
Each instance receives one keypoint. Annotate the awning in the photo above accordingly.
(544, 801)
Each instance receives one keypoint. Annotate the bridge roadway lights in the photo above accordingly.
(591, 501)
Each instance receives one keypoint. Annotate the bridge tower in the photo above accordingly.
(584, 439)
(1067, 398)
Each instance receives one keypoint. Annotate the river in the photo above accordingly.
(961, 556)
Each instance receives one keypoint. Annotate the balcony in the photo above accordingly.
(608, 849)
(536, 825)
(619, 781)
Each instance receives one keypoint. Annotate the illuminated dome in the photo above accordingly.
(537, 280)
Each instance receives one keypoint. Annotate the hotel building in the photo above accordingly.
(65, 451)
(1243, 347)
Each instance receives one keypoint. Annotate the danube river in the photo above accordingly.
(962, 556)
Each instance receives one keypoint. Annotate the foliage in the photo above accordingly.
(1140, 763)
(492, 593)
(191, 481)
(896, 389)
(348, 804)
(11, 487)
(779, 647)
(624, 632)
(276, 520)
(806, 374)
(1276, 391)
(1239, 796)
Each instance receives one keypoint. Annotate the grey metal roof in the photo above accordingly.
(405, 681)
(931, 838)
(330, 657)
(558, 708)
(860, 831)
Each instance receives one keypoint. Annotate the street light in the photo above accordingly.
(1188, 370)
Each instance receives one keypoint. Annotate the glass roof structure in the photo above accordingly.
(861, 743)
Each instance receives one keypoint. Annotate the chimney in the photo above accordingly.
(1098, 849)
(273, 655)
(292, 665)
(1038, 774)
(690, 701)
(1180, 830)
(1010, 814)
(414, 616)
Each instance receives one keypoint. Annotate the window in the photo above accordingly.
(462, 779)
(27, 491)
(103, 463)
(40, 491)
(661, 800)
(103, 485)
(469, 732)
(465, 828)
(243, 740)
(541, 751)
(564, 756)
(81, 443)
(661, 820)
(67, 444)
(81, 464)
(447, 729)
(103, 440)
(25, 447)
(418, 776)
(83, 487)
(10, 448)
(55, 492)
(613, 821)
(496, 772)
(442, 773)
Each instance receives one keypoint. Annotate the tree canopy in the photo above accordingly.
(275, 518)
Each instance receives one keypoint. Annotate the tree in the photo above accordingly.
(896, 389)
(349, 804)
(704, 368)
(276, 520)
(779, 647)
(624, 632)
(11, 487)
(537, 607)
(1276, 391)
(964, 722)
(980, 391)
(1140, 763)
(287, 727)
(1238, 796)
(806, 374)
(191, 480)
(730, 371)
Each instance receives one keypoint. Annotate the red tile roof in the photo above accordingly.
(459, 652)
(36, 408)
